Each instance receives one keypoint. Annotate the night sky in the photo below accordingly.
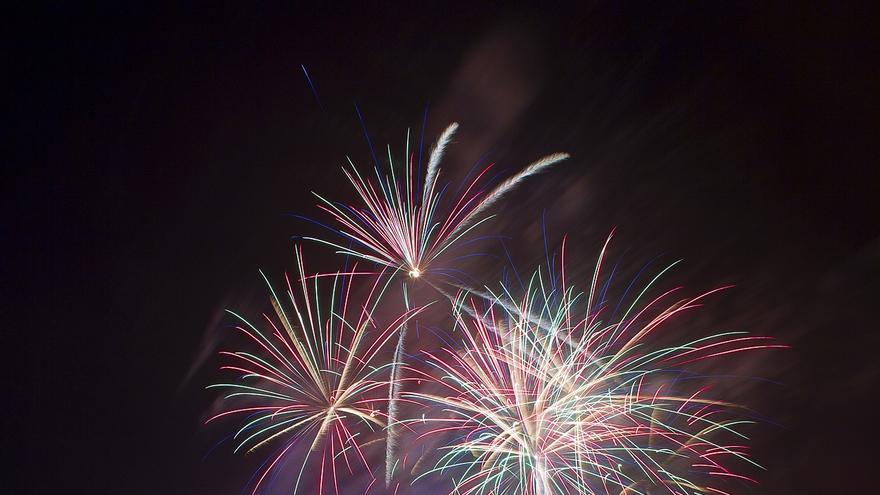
(155, 157)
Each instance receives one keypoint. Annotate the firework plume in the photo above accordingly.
(314, 379)
(402, 226)
(554, 393)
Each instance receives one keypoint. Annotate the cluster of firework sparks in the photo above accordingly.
(542, 389)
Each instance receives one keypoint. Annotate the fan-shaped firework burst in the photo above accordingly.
(400, 225)
(313, 377)
(553, 395)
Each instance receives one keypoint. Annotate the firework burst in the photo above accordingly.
(551, 394)
(313, 377)
(401, 225)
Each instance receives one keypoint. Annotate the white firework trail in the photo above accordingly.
(508, 185)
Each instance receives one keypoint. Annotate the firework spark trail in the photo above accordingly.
(397, 229)
(313, 376)
(312, 86)
(393, 397)
(507, 186)
(578, 405)
(436, 156)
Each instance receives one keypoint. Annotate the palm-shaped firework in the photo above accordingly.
(314, 376)
(402, 226)
(547, 398)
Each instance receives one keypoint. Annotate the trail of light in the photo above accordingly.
(312, 86)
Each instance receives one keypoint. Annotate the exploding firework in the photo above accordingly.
(313, 377)
(401, 225)
(552, 394)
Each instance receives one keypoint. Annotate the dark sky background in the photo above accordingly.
(157, 152)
